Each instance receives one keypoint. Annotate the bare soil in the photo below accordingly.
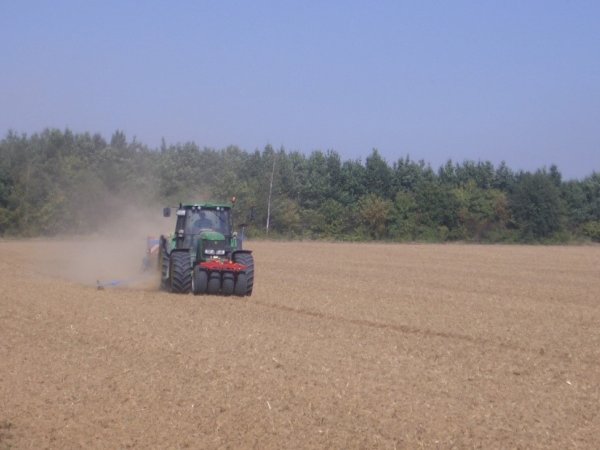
(340, 346)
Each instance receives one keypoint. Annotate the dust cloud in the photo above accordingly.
(112, 255)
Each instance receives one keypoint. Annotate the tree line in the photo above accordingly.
(57, 182)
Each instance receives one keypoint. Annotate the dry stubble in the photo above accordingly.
(341, 345)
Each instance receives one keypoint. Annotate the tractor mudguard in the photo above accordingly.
(238, 252)
(164, 244)
(179, 250)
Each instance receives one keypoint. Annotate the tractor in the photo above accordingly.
(204, 255)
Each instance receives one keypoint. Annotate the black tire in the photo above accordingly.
(163, 264)
(228, 284)
(200, 281)
(214, 283)
(241, 285)
(247, 260)
(180, 273)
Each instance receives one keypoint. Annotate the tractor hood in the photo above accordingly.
(210, 244)
(212, 236)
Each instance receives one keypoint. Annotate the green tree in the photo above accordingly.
(317, 187)
(592, 230)
(404, 216)
(576, 203)
(483, 213)
(336, 219)
(536, 205)
(375, 214)
(378, 175)
(503, 178)
(591, 187)
(447, 174)
(408, 174)
(437, 205)
(353, 184)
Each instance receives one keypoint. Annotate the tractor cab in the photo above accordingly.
(205, 229)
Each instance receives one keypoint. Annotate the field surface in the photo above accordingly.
(341, 346)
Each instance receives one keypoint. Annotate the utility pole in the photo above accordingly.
(270, 193)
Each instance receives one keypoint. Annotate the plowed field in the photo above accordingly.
(341, 346)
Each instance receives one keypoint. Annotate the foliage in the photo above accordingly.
(537, 205)
(62, 182)
(374, 215)
(592, 230)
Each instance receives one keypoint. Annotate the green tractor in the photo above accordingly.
(204, 255)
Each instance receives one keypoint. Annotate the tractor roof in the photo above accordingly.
(206, 205)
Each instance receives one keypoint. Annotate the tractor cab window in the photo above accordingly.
(208, 219)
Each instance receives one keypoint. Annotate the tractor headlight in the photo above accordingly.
(209, 251)
(220, 252)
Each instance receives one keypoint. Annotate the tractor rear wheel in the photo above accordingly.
(228, 284)
(214, 283)
(200, 281)
(247, 260)
(180, 273)
(241, 285)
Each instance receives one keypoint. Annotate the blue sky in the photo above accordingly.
(517, 81)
